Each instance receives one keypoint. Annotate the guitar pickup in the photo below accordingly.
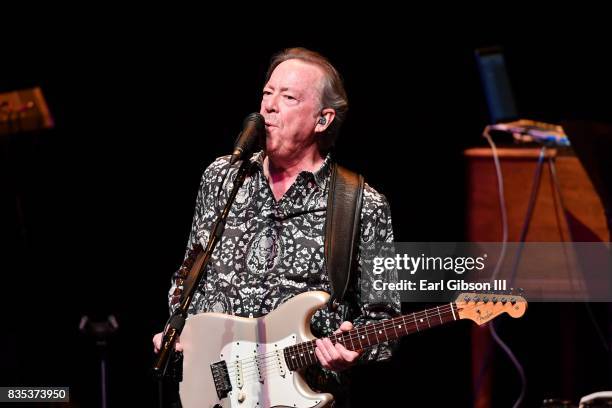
(258, 364)
(221, 378)
(279, 361)
(238, 371)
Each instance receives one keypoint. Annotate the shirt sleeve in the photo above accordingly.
(375, 305)
(363, 305)
(206, 208)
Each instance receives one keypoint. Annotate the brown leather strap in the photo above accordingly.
(342, 228)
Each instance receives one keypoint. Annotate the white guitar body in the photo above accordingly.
(234, 362)
(218, 342)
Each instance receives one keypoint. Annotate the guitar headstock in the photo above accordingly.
(481, 307)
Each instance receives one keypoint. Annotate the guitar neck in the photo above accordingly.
(302, 354)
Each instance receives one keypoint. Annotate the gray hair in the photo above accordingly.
(333, 94)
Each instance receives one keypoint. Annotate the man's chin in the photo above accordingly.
(276, 152)
(273, 145)
(271, 152)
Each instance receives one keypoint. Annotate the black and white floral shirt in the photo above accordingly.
(273, 250)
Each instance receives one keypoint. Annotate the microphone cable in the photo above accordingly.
(523, 235)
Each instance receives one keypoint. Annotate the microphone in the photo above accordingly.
(253, 128)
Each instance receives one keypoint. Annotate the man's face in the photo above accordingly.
(291, 106)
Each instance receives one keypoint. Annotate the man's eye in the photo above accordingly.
(289, 97)
(266, 93)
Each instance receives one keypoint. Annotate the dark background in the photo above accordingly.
(95, 213)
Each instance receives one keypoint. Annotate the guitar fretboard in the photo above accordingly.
(303, 354)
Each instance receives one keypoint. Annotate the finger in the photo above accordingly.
(345, 326)
(323, 350)
(156, 343)
(178, 346)
(331, 350)
(348, 355)
(322, 359)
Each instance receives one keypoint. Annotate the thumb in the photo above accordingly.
(345, 326)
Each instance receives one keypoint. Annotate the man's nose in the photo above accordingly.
(270, 103)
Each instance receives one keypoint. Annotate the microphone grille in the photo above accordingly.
(255, 117)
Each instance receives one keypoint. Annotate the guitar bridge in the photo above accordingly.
(221, 378)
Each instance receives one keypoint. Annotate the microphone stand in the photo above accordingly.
(177, 320)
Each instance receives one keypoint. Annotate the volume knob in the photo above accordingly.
(241, 396)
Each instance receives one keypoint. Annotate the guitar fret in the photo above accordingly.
(311, 356)
(313, 346)
(292, 356)
(285, 352)
(296, 356)
(299, 354)
(310, 352)
(352, 344)
(396, 335)
(404, 322)
(359, 338)
(343, 340)
(368, 339)
(288, 354)
(303, 354)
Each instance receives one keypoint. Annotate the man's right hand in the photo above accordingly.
(157, 340)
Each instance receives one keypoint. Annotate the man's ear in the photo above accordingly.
(324, 120)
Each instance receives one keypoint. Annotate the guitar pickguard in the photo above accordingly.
(236, 362)
(260, 377)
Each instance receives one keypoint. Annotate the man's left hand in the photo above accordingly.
(336, 357)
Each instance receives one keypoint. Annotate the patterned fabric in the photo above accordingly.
(271, 251)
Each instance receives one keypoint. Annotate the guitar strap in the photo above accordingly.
(342, 229)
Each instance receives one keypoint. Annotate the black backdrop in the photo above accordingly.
(96, 213)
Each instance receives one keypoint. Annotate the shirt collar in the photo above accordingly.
(319, 176)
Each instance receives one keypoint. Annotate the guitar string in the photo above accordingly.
(369, 330)
(268, 370)
(251, 376)
(358, 333)
(305, 346)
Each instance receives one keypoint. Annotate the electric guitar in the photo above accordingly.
(235, 362)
